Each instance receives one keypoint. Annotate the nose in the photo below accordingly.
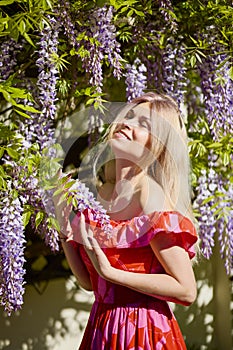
(126, 124)
(123, 125)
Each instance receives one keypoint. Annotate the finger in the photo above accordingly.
(89, 230)
(94, 243)
(83, 232)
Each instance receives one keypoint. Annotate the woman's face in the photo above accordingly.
(131, 136)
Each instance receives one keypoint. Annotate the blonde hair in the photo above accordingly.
(168, 163)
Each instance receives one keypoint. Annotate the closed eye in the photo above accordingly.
(145, 123)
(130, 115)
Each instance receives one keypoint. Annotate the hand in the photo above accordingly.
(93, 250)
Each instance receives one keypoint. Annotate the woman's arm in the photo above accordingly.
(177, 284)
(76, 264)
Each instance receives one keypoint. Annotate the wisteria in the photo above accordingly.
(136, 80)
(174, 69)
(64, 19)
(102, 42)
(39, 128)
(165, 61)
(83, 199)
(167, 10)
(12, 244)
(48, 73)
(8, 52)
(225, 223)
(214, 197)
(207, 184)
(217, 91)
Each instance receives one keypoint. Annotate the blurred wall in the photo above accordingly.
(55, 313)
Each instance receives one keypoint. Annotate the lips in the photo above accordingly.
(122, 134)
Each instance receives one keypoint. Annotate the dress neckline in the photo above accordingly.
(165, 212)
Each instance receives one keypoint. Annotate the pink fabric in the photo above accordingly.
(121, 318)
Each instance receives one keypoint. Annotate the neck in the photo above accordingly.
(126, 170)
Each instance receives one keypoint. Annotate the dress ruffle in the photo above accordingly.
(140, 230)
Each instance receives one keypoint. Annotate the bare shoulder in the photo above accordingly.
(153, 197)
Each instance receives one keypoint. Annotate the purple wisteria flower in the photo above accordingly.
(166, 9)
(136, 80)
(207, 184)
(48, 73)
(83, 199)
(214, 202)
(12, 244)
(166, 64)
(102, 45)
(225, 222)
(40, 200)
(217, 89)
(64, 18)
(174, 81)
(8, 52)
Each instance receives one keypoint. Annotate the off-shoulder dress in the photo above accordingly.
(124, 319)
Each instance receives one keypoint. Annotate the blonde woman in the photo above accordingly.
(146, 261)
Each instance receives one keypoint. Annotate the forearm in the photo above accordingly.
(77, 266)
(161, 286)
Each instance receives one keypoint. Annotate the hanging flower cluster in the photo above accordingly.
(214, 197)
(167, 10)
(9, 50)
(165, 61)
(48, 72)
(102, 45)
(174, 81)
(40, 127)
(217, 89)
(64, 19)
(207, 184)
(82, 199)
(225, 223)
(136, 80)
(12, 244)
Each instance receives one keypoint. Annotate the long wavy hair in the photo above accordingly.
(168, 163)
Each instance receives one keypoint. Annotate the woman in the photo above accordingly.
(146, 260)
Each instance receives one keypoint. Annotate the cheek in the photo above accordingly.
(144, 139)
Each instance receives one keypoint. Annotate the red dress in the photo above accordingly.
(121, 318)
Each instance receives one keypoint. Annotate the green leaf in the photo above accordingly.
(58, 191)
(226, 159)
(52, 222)
(69, 184)
(12, 153)
(3, 183)
(28, 108)
(6, 95)
(29, 40)
(193, 60)
(2, 150)
(215, 145)
(21, 113)
(6, 2)
(26, 217)
(22, 27)
(39, 217)
(231, 73)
